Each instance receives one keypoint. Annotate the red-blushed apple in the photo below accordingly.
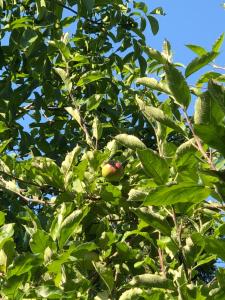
(112, 171)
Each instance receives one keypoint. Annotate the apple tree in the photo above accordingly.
(110, 187)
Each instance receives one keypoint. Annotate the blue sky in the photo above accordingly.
(198, 22)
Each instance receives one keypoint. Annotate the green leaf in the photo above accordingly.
(70, 223)
(48, 170)
(12, 288)
(65, 78)
(74, 112)
(4, 144)
(94, 101)
(70, 160)
(153, 113)
(167, 52)
(142, 64)
(206, 77)
(167, 243)
(182, 192)
(205, 261)
(218, 43)
(203, 111)
(131, 294)
(41, 8)
(89, 77)
(142, 6)
(39, 241)
(215, 246)
(97, 129)
(154, 84)
(178, 85)
(199, 62)
(6, 233)
(130, 141)
(137, 195)
(158, 11)
(152, 281)
(155, 54)
(217, 93)
(184, 153)
(105, 273)
(49, 292)
(197, 49)
(154, 165)
(153, 219)
(24, 22)
(3, 127)
(154, 24)
(2, 218)
(61, 212)
(23, 264)
(212, 135)
(64, 50)
(89, 4)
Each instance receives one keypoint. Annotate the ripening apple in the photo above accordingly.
(112, 171)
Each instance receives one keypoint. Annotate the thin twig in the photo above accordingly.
(198, 142)
(27, 199)
(179, 232)
(21, 180)
(215, 66)
(66, 7)
(161, 259)
(214, 206)
(76, 13)
(83, 125)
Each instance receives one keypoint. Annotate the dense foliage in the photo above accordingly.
(81, 87)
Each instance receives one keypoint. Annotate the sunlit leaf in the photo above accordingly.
(182, 192)
(178, 85)
(130, 141)
(200, 62)
(154, 165)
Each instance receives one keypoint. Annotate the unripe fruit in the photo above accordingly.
(112, 171)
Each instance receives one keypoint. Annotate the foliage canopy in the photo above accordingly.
(79, 87)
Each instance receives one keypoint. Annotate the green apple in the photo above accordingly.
(112, 171)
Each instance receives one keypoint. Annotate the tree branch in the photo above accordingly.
(83, 125)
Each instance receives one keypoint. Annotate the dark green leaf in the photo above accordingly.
(105, 273)
(215, 246)
(23, 264)
(154, 24)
